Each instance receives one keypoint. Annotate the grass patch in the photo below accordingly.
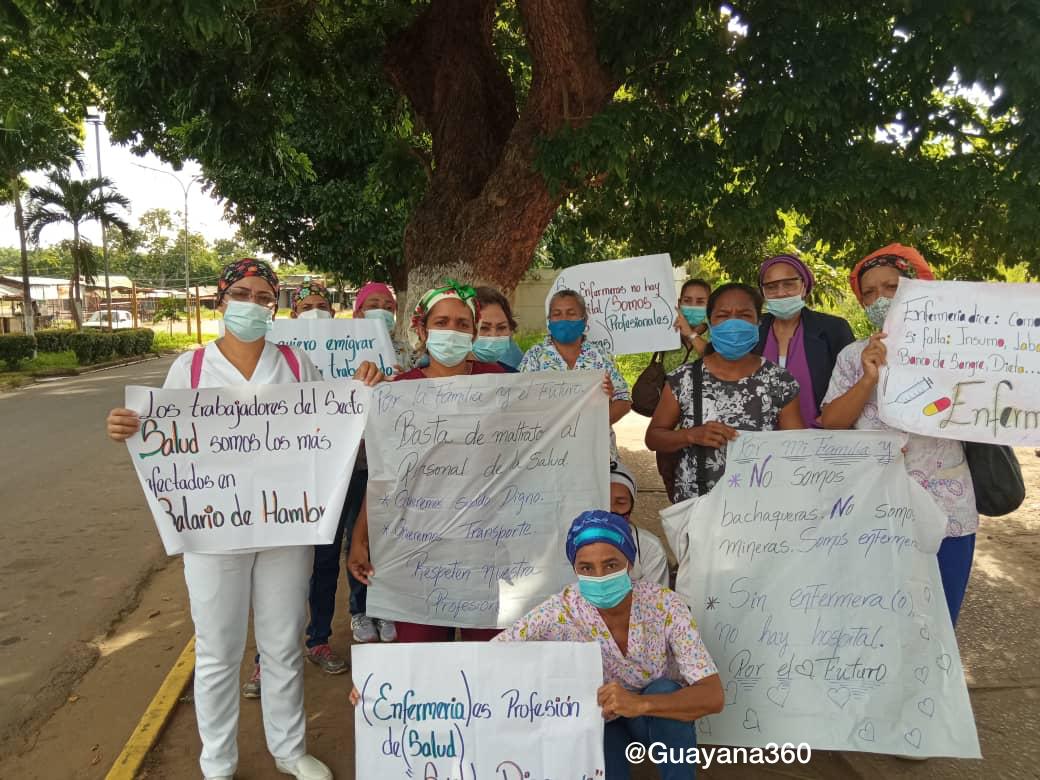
(49, 361)
(178, 342)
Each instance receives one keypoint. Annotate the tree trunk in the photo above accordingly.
(77, 317)
(486, 208)
(19, 223)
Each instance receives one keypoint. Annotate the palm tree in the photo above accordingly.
(74, 201)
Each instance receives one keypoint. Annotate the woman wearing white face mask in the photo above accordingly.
(223, 587)
(446, 322)
(311, 301)
(376, 301)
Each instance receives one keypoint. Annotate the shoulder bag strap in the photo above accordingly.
(698, 420)
(196, 366)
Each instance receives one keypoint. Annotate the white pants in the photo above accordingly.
(221, 588)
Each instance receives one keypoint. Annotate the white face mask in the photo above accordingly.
(314, 314)
(383, 316)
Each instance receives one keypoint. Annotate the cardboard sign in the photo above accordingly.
(246, 467)
(338, 346)
(811, 571)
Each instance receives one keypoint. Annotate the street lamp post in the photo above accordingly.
(187, 255)
(97, 121)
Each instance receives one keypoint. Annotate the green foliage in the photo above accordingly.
(54, 339)
(178, 342)
(169, 309)
(14, 348)
(93, 346)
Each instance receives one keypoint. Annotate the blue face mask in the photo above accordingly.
(605, 592)
(694, 315)
(785, 308)
(566, 331)
(491, 349)
(383, 316)
(734, 338)
(247, 321)
(448, 347)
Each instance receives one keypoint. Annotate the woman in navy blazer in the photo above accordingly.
(803, 341)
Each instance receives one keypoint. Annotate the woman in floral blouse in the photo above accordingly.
(658, 677)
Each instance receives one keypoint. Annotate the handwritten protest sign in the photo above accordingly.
(478, 711)
(811, 570)
(473, 482)
(631, 302)
(337, 347)
(246, 467)
(964, 361)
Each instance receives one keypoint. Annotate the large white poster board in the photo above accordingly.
(475, 710)
(964, 361)
(811, 571)
(338, 346)
(473, 482)
(631, 302)
(246, 467)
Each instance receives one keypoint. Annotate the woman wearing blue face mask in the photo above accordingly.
(658, 676)
(222, 588)
(804, 341)
(691, 322)
(733, 389)
(566, 349)
(495, 330)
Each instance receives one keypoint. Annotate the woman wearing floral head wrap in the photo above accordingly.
(851, 402)
(803, 341)
(658, 676)
(376, 301)
(445, 321)
(311, 301)
(273, 581)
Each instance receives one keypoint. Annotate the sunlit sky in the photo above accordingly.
(146, 190)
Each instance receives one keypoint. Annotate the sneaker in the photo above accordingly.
(328, 661)
(387, 630)
(251, 690)
(364, 629)
(305, 768)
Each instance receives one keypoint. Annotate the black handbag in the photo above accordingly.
(997, 478)
(646, 392)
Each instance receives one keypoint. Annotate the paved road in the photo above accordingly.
(76, 541)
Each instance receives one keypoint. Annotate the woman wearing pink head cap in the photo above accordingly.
(376, 301)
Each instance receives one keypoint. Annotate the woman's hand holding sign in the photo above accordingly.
(122, 424)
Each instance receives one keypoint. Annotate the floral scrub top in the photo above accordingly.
(749, 404)
(937, 464)
(663, 641)
(545, 357)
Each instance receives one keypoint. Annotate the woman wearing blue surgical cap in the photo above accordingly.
(658, 677)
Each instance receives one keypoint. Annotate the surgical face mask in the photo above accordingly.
(878, 310)
(383, 316)
(448, 347)
(566, 331)
(491, 349)
(605, 592)
(785, 308)
(247, 321)
(314, 314)
(695, 315)
(734, 338)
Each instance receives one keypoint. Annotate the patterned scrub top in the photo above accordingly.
(662, 636)
(545, 357)
(749, 404)
(938, 465)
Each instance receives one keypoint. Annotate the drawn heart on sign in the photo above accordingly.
(913, 737)
(778, 695)
(866, 732)
(751, 720)
(925, 634)
(928, 594)
(921, 673)
(731, 692)
(805, 668)
(944, 662)
(927, 706)
(839, 696)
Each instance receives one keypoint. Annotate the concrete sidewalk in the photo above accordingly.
(998, 635)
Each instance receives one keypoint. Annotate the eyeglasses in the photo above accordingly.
(245, 295)
(790, 285)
